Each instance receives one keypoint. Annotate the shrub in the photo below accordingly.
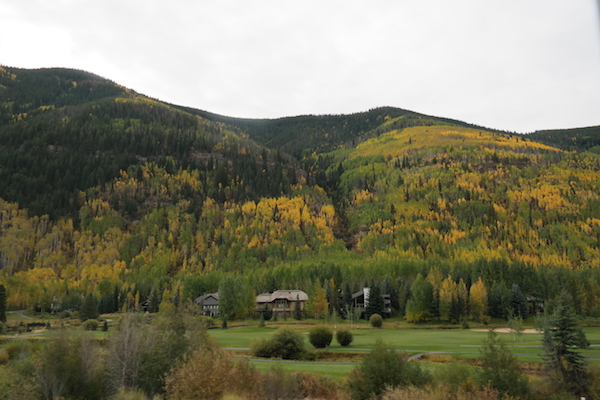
(261, 348)
(90, 325)
(320, 336)
(344, 337)
(204, 375)
(285, 343)
(439, 393)
(18, 349)
(376, 321)
(456, 376)
(64, 314)
(3, 357)
(384, 368)
(207, 322)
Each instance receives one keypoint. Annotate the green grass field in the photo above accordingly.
(459, 343)
(456, 342)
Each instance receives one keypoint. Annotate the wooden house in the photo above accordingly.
(281, 303)
(209, 302)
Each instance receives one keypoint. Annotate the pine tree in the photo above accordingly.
(375, 305)
(89, 308)
(518, 302)
(153, 300)
(560, 340)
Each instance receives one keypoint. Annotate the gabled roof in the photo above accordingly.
(290, 295)
(204, 297)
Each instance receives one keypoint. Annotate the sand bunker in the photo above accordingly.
(505, 330)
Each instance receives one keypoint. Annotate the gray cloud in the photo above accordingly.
(511, 65)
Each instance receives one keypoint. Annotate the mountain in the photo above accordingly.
(578, 139)
(107, 191)
(65, 131)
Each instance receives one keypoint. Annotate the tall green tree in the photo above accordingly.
(418, 307)
(347, 302)
(500, 369)
(375, 305)
(235, 298)
(89, 308)
(518, 302)
(561, 341)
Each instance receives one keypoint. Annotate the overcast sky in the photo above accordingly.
(519, 65)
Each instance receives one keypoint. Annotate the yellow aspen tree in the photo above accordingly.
(448, 293)
(319, 303)
(478, 300)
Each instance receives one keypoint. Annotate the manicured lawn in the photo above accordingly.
(456, 342)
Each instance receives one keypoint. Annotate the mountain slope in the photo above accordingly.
(64, 131)
(578, 139)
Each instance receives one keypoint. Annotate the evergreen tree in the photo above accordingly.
(498, 300)
(560, 340)
(153, 300)
(89, 308)
(518, 302)
(375, 305)
(297, 309)
(2, 303)
(347, 301)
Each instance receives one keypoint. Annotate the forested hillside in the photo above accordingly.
(64, 131)
(109, 192)
(579, 139)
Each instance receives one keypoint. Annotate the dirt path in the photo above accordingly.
(20, 314)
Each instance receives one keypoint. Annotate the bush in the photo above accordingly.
(344, 337)
(4, 357)
(456, 376)
(285, 343)
(204, 375)
(64, 314)
(207, 322)
(376, 321)
(90, 325)
(384, 368)
(320, 336)
(439, 393)
(261, 348)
